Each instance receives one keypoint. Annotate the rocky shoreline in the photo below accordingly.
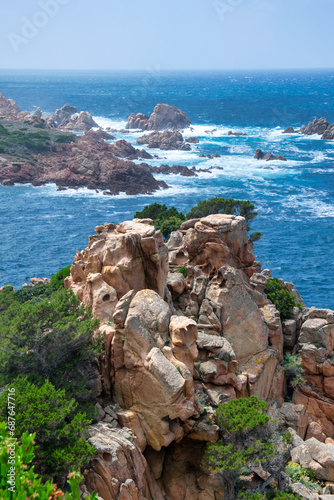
(41, 149)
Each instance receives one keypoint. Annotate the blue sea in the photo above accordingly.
(42, 228)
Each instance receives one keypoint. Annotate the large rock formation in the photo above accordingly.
(163, 117)
(167, 140)
(178, 344)
(128, 257)
(68, 118)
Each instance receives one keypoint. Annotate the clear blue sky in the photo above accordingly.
(173, 34)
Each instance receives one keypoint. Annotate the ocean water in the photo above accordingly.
(41, 228)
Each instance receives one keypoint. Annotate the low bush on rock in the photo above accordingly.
(220, 205)
(283, 299)
(57, 280)
(241, 422)
(248, 438)
(302, 475)
(277, 495)
(164, 218)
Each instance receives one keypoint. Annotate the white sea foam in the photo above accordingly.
(311, 201)
(105, 123)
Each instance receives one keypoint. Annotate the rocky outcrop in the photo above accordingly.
(316, 455)
(163, 117)
(81, 121)
(152, 374)
(128, 257)
(314, 350)
(167, 140)
(290, 130)
(68, 118)
(119, 471)
(192, 140)
(317, 126)
(87, 163)
(124, 149)
(260, 155)
(8, 106)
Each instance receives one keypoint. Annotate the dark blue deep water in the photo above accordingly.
(41, 228)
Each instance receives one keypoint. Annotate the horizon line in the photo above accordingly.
(170, 70)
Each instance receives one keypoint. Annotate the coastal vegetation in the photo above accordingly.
(248, 438)
(26, 483)
(283, 299)
(60, 429)
(17, 138)
(170, 219)
(46, 333)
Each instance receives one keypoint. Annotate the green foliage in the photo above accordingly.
(39, 331)
(241, 415)
(182, 270)
(222, 458)
(29, 139)
(293, 370)
(57, 280)
(36, 293)
(256, 236)
(220, 205)
(283, 299)
(244, 439)
(277, 495)
(27, 484)
(65, 138)
(3, 130)
(164, 218)
(302, 475)
(60, 430)
(169, 219)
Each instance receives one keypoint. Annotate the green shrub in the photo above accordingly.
(65, 138)
(57, 280)
(223, 206)
(36, 292)
(61, 431)
(164, 218)
(3, 130)
(182, 270)
(241, 415)
(302, 475)
(283, 299)
(27, 484)
(255, 236)
(244, 441)
(277, 495)
(42, 333)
